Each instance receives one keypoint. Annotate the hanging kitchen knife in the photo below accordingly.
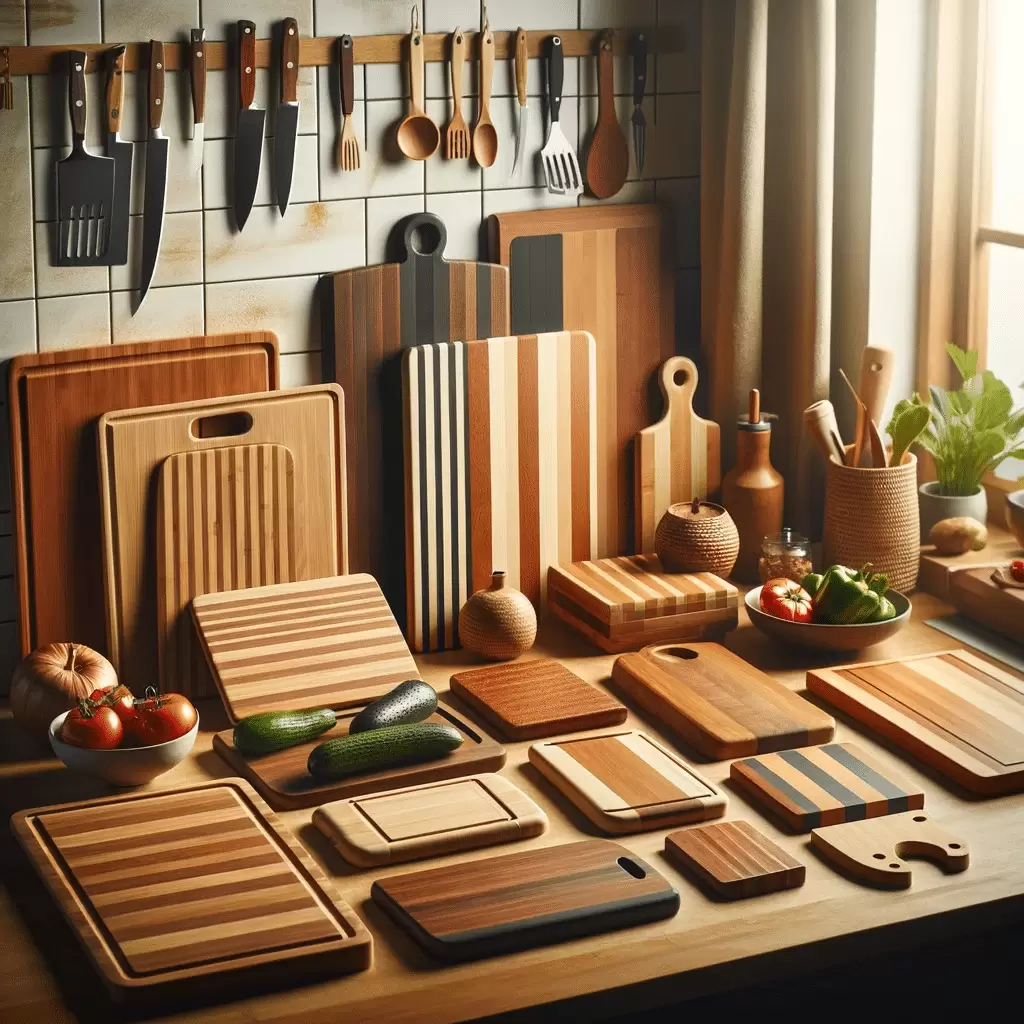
(638, 46)
(287, 113)
(249, 130)
(197, 80)
(521, 66)
(155, 195)
(122, 152)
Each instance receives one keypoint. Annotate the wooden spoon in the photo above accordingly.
(418, 136)
(485, 138)
(608, 159)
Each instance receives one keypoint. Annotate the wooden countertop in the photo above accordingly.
(707, 947)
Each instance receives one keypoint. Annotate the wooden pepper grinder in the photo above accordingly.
(752, 490)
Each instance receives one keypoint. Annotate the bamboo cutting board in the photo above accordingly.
(607, 270)
(308, 421)
(978, 596)
(531, 898)
(191, 892)
(501, 471)
(55, 399)
(956, 712)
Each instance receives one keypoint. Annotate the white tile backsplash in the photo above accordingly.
(381, 217)
(126, 21)
(166, 313)
(288, 306)
(75, 321)
(218, 174)
(462, 216)
(60, 22)
(13, 23)
(181, 254)
(17, 327)
(16, 173)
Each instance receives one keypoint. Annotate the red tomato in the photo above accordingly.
(163, 718)
(121, 700)
(1017, 569)
(786, 600)
(96, 728)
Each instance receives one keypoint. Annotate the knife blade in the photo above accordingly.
(287, 113)
(122, 153)
(197, 82)
(249, 130)
(521, 59)
(155, 195)
(638, 46)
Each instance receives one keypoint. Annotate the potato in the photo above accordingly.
(958, 535)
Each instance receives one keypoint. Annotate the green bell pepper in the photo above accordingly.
(812, 582)
(845, 597)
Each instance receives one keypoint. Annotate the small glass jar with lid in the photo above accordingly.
(786, 554)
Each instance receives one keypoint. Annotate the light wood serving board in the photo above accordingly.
(431, 820)
(501, 470)
(974, 592)
(55, 399)
(308, 421)
(524, 899)
(191, 892)
(719, 703)
(953, 710)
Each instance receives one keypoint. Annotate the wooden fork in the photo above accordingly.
(348, 141)
(456, 139)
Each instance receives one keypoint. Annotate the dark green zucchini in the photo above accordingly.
(378, 748)
(275, 730)
(411, 701)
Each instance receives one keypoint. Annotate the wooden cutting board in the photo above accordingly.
(308, 421)
(679, 458)
(525, 899)
(825, 785)
(377, 312)
(956, 712)
(431, 820)
(627, 782)
(717, 702)
(607, 270)
(974, 592)
(283, 781)
(55, 398)
(318, 643)
(191, 892)
(500, 471)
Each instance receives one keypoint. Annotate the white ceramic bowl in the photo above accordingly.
(128, 766)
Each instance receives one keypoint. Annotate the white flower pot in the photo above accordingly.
(935, 507)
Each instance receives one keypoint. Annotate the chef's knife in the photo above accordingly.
(638, 46)
(197, 80)
(287, 113)
(117, 247)
(249, 130)
(155, 196)
(521, 66)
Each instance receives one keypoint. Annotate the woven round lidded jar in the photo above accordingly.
(697, 536)
(498, 623)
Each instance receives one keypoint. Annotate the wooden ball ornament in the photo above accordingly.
(498, 623)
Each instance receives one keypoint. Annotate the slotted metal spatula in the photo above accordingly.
(85, 187)
(561, 166)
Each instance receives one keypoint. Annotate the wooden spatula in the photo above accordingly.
(608, 160)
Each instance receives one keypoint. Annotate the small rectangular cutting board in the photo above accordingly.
(975, 594)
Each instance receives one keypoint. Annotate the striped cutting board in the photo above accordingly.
(317, 643)
(191, 890)
(501, 470)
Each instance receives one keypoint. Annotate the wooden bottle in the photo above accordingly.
(752, 490)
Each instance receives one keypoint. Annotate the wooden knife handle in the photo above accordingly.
(115, 89)
(458, 66)
(156, 83)
(416, 72)
(486, 68)
(348, 81)
(556, 75)
(605, 75)
(246, 63)
(638, 46)
(76, 94)
(289, 61)
(522, 56)
(197, 74)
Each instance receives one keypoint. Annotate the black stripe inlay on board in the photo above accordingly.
(440, 439)
(484, 283)
(407, 303)
(854, 804)
(417, 363)
(810, 810)
(898, 800)
(535, 272)
(467, 553)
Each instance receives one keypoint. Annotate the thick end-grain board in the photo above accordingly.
(308, 421)
(55, 399)
(606, 270)
(719, 703)
(282, 778)
(531, 898)
(317, 643)
(825, 785)
(431, 820)
(527, 700)
(956, 712)
(501, 471)
(190, 892)
(627, 782)
(977, 595)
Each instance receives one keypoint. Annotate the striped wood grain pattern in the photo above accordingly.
(719, 703)
(166, 888)
(527, 700)
(500, 470)
(825, 785)
(319, 643)
(959, 714)
(627, 782)
(1000, 608)
(529, 898)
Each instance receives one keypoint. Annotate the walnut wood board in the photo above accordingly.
(627, 781)
(195, 891)
(527, 700)
(719, 703)
(308, 421)
(607, 270)
(956, 712)
(975, 594)
(734, 860)
(282, 779)
(55, 399)
(501, 471)
(325, 643)
(431, 820)
(824, 785)
(525, 899)
(623, 604)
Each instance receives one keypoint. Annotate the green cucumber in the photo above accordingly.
(274, 730)
(411, 701)
(378, 748)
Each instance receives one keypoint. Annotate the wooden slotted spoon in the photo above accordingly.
(456, 139)
(418, 136)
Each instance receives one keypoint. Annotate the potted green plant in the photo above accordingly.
(968, 433)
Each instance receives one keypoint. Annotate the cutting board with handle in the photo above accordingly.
(501, 471)
(524, 899)
(191, 892)
(55, 398)
(679, 458)
(979, 597)
(607, 270)
(134, 444)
